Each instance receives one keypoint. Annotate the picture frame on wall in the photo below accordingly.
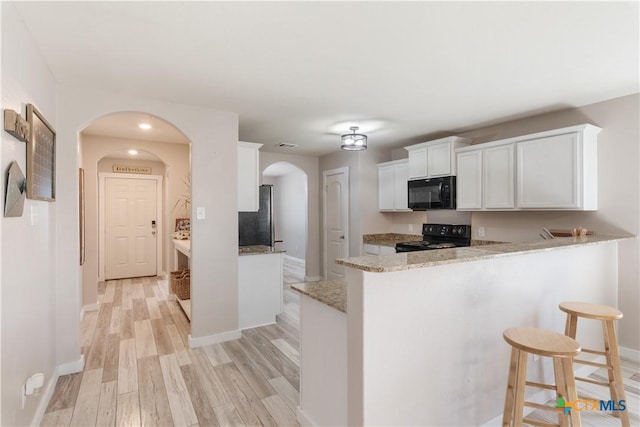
(41, 157)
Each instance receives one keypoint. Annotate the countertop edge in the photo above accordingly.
(332, 293)
(400, 261)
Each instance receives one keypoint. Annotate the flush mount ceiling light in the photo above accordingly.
(354, 141)
(133, 152)
(145, 126)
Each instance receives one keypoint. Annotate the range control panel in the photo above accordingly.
(446, 230)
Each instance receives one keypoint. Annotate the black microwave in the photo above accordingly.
(432, 193)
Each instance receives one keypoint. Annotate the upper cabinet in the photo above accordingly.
(434, 158)
(248, 176)
(392, 186)
(552, 170)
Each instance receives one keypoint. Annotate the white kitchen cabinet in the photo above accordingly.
(392, 186)
(259, 289)
(558, 171)
(417, 162)
(248, 176)
(469, 180)
(371, 249)
(434, 158)
(498, 176)
(551, 170)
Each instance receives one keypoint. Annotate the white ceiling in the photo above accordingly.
(303, 72)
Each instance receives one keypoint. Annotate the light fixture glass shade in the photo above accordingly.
(354, 141)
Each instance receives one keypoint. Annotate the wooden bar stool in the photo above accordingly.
(607, 315)
(543, 343)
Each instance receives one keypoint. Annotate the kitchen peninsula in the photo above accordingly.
(422, 332)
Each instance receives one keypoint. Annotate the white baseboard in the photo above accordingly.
(629, 354)
(64, 369)
(303, 418)
(89, 307)
(296, 259)
(259, 325)
(543, 396)
(214, 339)
(312, 278)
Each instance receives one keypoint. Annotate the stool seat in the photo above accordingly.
(590, 311)
(542, 342)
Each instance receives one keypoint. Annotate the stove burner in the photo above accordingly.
(441, 245)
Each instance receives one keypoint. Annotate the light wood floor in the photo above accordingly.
(139, 370)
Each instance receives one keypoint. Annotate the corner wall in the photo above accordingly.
(28, 256)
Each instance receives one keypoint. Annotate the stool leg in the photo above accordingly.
(616, 383)
(521, 380)
(571, 326)
(507, 415)
(561, 388)
(572, 395)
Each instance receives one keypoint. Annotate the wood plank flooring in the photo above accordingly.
(140, 372)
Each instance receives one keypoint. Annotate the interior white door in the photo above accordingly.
(336, 210)
(130, 234)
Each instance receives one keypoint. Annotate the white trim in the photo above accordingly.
(89, 307)
(629, 354)
(214, 339)
(346, 195)
(260, 325)
(58, 371)
(101, 217)
(312, 278)
(304, 419)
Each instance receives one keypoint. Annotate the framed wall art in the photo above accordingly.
(41, 156)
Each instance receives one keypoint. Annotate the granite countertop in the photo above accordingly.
(389, 239)
(257, 250)
(420, 259)
(332, 293)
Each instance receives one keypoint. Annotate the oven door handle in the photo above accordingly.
(441, 191)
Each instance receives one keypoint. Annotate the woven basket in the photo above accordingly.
(181, 283)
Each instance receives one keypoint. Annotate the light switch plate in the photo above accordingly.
(200, 213)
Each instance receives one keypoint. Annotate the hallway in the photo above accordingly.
(140, 371)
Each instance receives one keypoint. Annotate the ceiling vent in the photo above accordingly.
(285, 145)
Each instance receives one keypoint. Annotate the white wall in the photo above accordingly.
(310, 166)
(174, 166)
(28, 256)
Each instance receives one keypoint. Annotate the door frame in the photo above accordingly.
(345, 213)
(102, 206)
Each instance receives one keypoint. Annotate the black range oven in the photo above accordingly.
(438, 236)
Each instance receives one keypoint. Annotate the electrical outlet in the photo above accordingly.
(410, 228)
(480, 231)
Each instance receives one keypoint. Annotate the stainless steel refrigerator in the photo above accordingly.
(256, 228)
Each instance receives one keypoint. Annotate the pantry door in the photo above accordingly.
(131, 227)
(336, 221)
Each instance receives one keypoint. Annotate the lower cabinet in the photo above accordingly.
(371, 249)
(259, 289)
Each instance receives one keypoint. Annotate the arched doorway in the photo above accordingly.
(290, 188)
(115, 146)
